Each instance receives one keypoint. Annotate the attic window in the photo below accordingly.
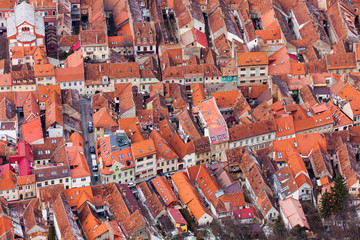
(41, 175)
(279, 155)
(64, 171)
(53, 173)
(213, 139)
(40, 152)
(53, 141)
(327, 118)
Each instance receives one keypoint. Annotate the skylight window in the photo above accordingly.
(279, 155)
(219, 122)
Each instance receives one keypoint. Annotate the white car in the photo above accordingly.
(94, 162)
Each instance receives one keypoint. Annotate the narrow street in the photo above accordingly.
(85, 105)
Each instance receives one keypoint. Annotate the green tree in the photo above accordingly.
(279, 228)
(340, 194)
(333, 202)
(326, 205)
(298, 232)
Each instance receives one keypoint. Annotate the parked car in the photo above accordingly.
(94, 163)
(95, 177)
(90, 128)
(92, 149)
(131, 184)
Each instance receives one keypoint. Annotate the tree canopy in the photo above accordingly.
(332, 203)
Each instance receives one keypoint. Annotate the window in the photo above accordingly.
(40, 152)
(47, 151)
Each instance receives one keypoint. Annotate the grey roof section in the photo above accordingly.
(321, 90)
(282, 85)
(196, 12)
(25, 12)
(135, 11)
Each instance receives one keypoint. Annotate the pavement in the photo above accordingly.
(89, 139)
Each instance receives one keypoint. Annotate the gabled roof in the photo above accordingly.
(92, 226)
(252, 58)
(251, 130)
(70, 74)
(189, 195)
(163, 149)
(294, 212)
(7, 111)
(53, 113)
(132, 128)
(163, 188)
(264, 203)
(143, 148)
(284, 126)
(188, 125)
(102, 118)
(33, 218)
(340, 61)
(123, 91)
(78, 196)
(76, 139)
(32, 130)
(177, 216)
(65, 219)
(204, 179)
(46, 90)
